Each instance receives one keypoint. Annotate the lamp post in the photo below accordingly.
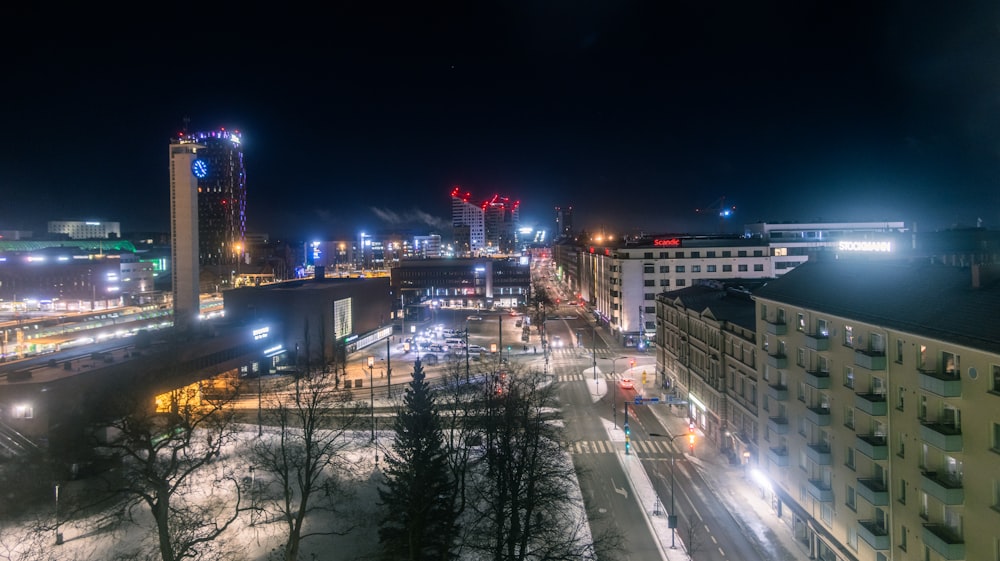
(371, 386)
(614, 398)
(672, 517)
(59, 536)
(388, 367)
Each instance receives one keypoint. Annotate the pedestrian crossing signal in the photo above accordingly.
(627, 430)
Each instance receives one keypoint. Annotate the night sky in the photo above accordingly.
(362, 116)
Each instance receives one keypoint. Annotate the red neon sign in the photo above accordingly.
(670, 242)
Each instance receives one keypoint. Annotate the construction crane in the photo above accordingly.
(718, 206)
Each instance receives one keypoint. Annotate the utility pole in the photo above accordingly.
(388, 366)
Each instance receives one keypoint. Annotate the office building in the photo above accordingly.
(501, 220)
(465, 283)
(85, 229)
(184, 270)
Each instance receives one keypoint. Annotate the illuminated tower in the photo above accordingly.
(184, 168)
(468, 221)
(222, 196)
(564, 221)
(501, 224)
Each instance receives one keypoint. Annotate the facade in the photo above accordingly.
(321, 317)
(793, 243)
(85, 230)
(222, 196)
(469, 223)
(882, 437)
(502, 217)
(467, 283)
(426, 246)
(621, 283)
(706, 358)
(184, 233)
(564, 221)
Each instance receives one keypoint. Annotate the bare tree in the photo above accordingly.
(311, 426)
(525, 506)
(167, 459)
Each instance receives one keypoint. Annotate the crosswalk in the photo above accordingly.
(581, 352)
(648, 447)
(583, 377)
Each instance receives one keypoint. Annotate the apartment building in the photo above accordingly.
(882, 407)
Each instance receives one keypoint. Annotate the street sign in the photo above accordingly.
(639, 400)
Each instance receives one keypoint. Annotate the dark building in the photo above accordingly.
(467, 283)
(328, 316)
(564, 221)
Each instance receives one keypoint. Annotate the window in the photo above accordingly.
(711, 268)
(900, 397)
(650, 309)
(902, 491)
(852, 538)
(23, 412)
(995, 378)
(679, 255)
(800, 357)
(849, 501)
(649, 282)
(664, 282)
(695, 268)
(647, 255)
(649, 296)
(901, 445)
(902, 538)
(800, 322)
(664, 268)
(899, 351)
(679, 269)
(648, 269)
(849, 377)
(710, 254)
(849, 416)
(848, 335)
(758, 253)
(741, 268)
(827, 514)
(727, 268)
(664, 255)
(727, 253)
(681, 282)
(996, 437)
(741, 253)
(758, 267)
(849, 457)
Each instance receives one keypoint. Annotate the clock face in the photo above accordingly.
(199, 168)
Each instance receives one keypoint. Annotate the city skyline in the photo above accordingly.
(634, 114)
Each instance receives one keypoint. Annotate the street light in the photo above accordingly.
(371, 386)
(614, 398)
(672, 517)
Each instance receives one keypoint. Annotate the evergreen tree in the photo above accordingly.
(420, 515)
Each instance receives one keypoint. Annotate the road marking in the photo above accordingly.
(722, 553)
(621, 491)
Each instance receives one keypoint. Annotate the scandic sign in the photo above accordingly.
(669, 242)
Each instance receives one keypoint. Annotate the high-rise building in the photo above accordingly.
(184, 168)
(501, 220)
(469, 222)
(564, 221)
(222, 195)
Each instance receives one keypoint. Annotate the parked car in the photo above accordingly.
(475, 318)
(476, 349)
(438, 348)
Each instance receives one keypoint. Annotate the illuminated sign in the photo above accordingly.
(670, 242)
(261, 333)
(883, 247)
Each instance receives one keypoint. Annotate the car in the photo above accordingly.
(429, 359)
(438, 348)
(627, 384)
(476, 349)
(556, 341)
(475, 318)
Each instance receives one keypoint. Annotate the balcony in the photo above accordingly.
(943, 487)
(817, 342)
(944, 384)
(944, 540)
(872, 445)
(945, 437)
(818, 379)
(819, 454)
(777, 392)
(873, 404)
(777, 361)
(777, 425)
(778, 456)
(873, 491)
(820, 491)
(776, 327)
(875, 534)
(819, 416)
(871, 360)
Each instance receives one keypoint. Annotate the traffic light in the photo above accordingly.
(631, 363)
(691, 442)
(628, 431)
(627, 445)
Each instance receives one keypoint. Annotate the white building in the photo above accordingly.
(85, 230)
(469, 222)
